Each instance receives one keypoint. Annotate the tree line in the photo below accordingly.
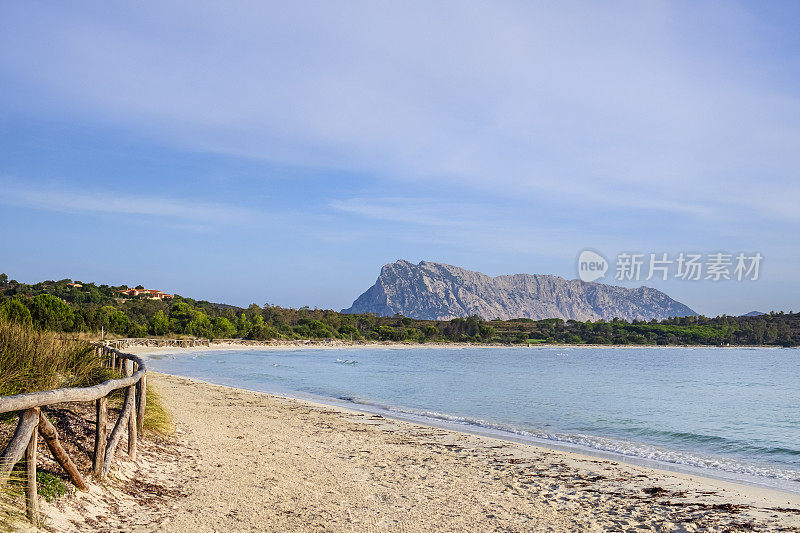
(86, 307)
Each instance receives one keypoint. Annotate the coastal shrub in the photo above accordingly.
(302, 331)
(242, 326)
(118, 322)
(349, 330)
(222, 327)
(49, 312)
(200, 326)
(159, 324)
(13, 310)
(263, 332)
(50, 486)
(314, 328)
(180, 315)
(137, 330)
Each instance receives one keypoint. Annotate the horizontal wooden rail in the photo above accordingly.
(20, 402)
(33, 422)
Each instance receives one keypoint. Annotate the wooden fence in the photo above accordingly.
(33, 422)
(158, 343)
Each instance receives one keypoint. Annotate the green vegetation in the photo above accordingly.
(70, 307)
(50, 486)
(33, 360)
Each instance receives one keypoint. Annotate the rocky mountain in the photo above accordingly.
(436, 291)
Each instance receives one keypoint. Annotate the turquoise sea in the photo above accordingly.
(732, 413)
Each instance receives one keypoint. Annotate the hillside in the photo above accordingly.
(436, 291)
(75, 308)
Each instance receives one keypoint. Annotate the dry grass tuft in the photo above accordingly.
(156, 418)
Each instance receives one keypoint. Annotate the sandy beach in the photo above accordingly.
(335, 344)
(247, 461)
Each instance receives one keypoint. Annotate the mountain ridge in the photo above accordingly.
(438, 291)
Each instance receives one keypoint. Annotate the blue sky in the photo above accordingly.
(282, 153)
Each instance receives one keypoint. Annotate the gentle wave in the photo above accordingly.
(721, 442)
(606, 444)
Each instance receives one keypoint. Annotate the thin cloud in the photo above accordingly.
(660, 106)
(405, 210)
(188, 214)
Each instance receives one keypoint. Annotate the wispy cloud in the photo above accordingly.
(433, 222)
(182, 213)
(427, 212)
(660, 105)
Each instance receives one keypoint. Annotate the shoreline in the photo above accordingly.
(683, 470)
(254, 461)
(142, 349)
(490, 431)
(266, 461)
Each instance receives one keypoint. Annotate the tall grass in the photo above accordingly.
(33, 360)
(11, 515)
(156, 418)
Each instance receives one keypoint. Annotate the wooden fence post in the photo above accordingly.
(31, 497)
(132, 422)
(142, 403)
(100, 436)
(50, 436)
(119, 427)
(15, 449)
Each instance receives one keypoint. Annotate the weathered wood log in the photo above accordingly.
(20, 402)
(132, 433)
(31, 496)
(142, 397)
(116, 433)
(101, 410)
(15, 449)
(50, 436)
